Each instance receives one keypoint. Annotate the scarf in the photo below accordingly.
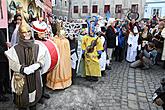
(28, 46)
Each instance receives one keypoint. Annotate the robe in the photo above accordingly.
(32, 90)
(60, 77)
(102, 60)
(92, 65)
(132, 50)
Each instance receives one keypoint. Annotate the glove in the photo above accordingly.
(28, 70)
(130, 45)
(99, 56)
(34, 66)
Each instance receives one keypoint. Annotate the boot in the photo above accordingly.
(108, 67)
(163, 64)
(102, 73)
(3, 98)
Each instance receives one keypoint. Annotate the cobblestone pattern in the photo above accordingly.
(122, 88)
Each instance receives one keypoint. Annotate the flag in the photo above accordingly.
(3, 14)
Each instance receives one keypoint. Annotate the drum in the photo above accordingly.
(52, 55)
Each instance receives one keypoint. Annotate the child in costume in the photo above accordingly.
(91, 52)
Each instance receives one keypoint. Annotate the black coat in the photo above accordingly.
(3, 46)
(11, 29)
(111, 37)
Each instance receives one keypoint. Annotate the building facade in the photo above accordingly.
(154, 7)
(83, 8)
(61, 8)
(35, 8)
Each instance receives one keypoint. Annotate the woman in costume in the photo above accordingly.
(91, 51)
(26, 60)
(60, 77)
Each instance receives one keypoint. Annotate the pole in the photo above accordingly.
(69, 13)
(7, 30)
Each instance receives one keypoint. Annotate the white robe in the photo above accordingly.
(15, 65)
(132, 51)
(102, 60)
(163, 53)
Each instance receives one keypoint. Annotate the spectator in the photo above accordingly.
(4, 71)
(147, 57)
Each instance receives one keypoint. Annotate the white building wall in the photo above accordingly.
(126, 4)
(150, 6)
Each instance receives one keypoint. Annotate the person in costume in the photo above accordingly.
(103, 55)
(39, 28)
(80, 65)
(26, 60)
(61, 76)
(132, 45)
(91, 51)
(72, 32)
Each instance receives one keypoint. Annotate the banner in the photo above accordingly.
(3, 14)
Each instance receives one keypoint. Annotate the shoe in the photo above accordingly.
(41, 101)
(46, 96)
(108, 67)
(8, 91)
(102, 73)
(88, 78)
(4, 99)
(145, 68)
(94, 79)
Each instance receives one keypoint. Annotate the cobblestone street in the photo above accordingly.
(122, 88)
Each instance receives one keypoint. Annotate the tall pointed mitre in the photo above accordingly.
(58, 27)
(24, 27)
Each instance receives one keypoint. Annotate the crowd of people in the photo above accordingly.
(87, 52)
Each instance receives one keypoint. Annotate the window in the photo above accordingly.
(118, 8)
(65, 3)
(94, 9)
(106, 8)
(134, 8)
(75, 9)
(156, 11)
(85, 9)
